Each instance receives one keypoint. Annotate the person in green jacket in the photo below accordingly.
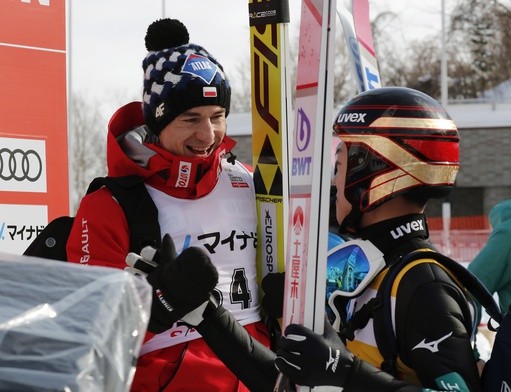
(492, 265)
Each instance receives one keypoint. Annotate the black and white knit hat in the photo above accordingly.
(178, 75)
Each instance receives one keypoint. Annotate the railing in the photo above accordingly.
(464, 238)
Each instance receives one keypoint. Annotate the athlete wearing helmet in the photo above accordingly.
(399, 142)
(399, 149)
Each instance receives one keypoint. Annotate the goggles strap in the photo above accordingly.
(360, 318)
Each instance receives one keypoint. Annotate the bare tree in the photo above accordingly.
(344, 86)
(503, 21)
(241, 87)
(480, 33)
(390, 54)
(344, 81)
(87, 146)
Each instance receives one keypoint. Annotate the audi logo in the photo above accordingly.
(20, 165)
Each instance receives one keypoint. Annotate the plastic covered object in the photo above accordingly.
(69, 327)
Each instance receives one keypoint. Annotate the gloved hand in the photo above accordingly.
(144, 263)
(273, 296)
(309, 359)
(182, 285)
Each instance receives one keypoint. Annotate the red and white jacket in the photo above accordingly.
(217, 212)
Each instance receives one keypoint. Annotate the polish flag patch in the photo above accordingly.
(209, 92)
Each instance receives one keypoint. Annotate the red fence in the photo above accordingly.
(465, 237)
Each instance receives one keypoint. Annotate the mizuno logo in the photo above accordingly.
(433, 345)
(352, 117)
(400, 231)
(331, 360)
(505, 387)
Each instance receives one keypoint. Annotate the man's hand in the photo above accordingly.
(307, 358)
(182, 284)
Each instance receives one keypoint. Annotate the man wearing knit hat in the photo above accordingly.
(175, 141)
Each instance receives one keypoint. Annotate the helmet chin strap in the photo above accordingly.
(351, 223)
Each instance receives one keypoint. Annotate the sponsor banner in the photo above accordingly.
(35, 23)
(22, 165)
(33, 109)
(19, 225)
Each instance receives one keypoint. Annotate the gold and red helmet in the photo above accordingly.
(399, 141)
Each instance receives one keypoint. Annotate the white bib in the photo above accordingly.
(224, 223)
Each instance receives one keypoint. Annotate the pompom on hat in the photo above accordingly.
(179, 75)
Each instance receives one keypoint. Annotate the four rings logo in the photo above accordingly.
(20, 165)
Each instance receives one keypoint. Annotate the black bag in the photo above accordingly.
(139, 209)
(496, 375)
(379, 307)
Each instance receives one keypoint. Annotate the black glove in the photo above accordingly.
(273, 297)
(307, 358)
(273, 304)
(182, 285)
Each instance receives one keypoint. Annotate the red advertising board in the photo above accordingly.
(33, 119)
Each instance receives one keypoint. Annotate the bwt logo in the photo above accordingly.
(303, 131)
(183, 177)
(41, 2)
(302, 165)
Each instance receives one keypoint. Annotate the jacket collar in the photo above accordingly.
(399, 236)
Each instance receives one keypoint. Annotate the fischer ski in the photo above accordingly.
(364, 35)
(271, 105)
(310, 176)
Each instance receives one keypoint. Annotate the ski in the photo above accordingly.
(310, 176)
(271, 106)
(364, 35)
(346, 19)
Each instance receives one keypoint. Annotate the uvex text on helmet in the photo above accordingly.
(399, 141)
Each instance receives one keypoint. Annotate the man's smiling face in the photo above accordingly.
(196, 132)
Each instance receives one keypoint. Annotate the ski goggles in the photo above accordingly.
(351, 266)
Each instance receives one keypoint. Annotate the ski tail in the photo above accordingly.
(346, 19)
(364, 35)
